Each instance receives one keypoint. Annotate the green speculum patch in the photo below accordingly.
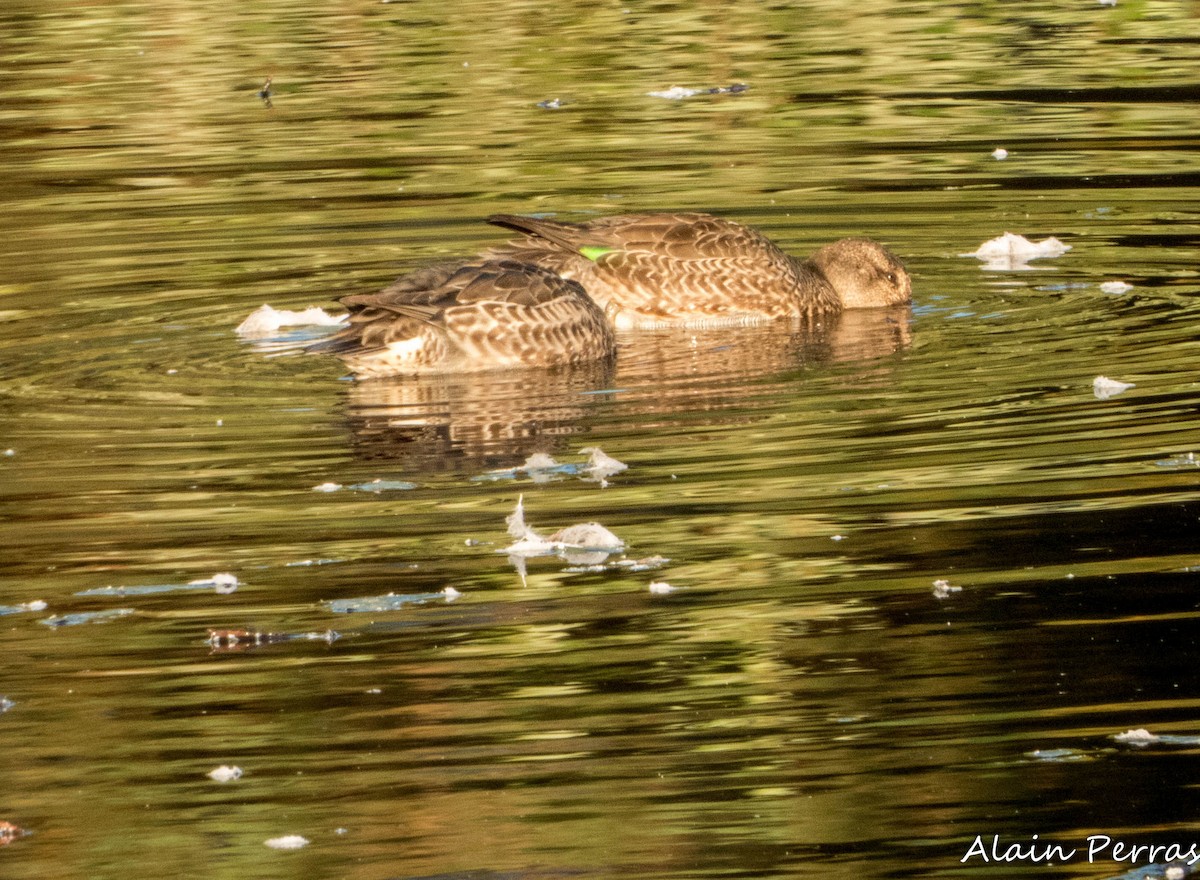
(595, 252)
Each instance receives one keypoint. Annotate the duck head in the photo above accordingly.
(864, 273)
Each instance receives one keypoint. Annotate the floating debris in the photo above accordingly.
(552, 104)
(1059, 756)
(1188, 459)
(589, 535)
(381, 485)
(585, 541)
(1010, 251)
(125, 591)
(225, 773)
(583, 544)
(264, 94)
(675, 93)
(679, 93)
(1104, 387)
(943, 589)
(517, 527)
(601, 465)
(268, 321)
(1061, 288)
(222, 583)
(10, 832)
(388, 602)
(5, 704)
(1116, 287)
(999, 154)
(86, 617)
(543, 468)
(239, 639)
(376, 486)
(649, 563)
(245, 639)
(288, 841)
(35, 605)
(595, 568)
(539, 467)
(661, 588)
(1142, 737)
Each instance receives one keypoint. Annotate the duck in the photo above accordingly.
(468, 316)
(694, 269)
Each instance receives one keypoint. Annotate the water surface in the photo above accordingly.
(803, 704)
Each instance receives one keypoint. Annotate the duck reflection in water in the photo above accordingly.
(486, 420)
(498, 418)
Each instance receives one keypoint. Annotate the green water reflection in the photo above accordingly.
(801, 705)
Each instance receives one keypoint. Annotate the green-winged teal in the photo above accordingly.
(468, 316)
(649, 270)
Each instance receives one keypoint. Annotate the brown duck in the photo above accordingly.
(648, 270)
(467, 316)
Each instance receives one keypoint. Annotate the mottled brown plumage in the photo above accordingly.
(648, 270)
(468, 316)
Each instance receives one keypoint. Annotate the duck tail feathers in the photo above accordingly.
(568, 236)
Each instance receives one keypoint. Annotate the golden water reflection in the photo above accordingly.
(802, 705)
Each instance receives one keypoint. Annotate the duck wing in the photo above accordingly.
(646, 269)
(429, 298)
(678, 236)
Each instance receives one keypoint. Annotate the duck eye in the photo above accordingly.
(891, 277)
